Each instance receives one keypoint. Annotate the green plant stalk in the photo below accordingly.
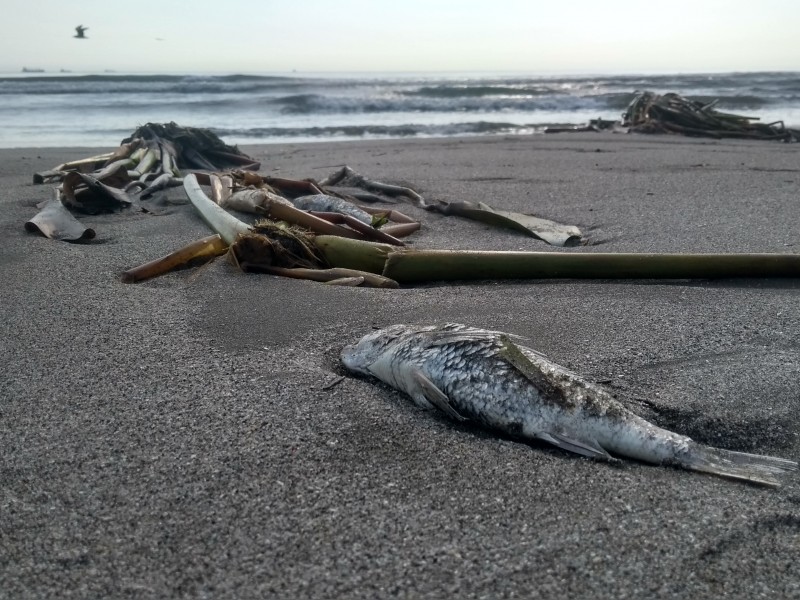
(220, 221)
(138, 154)
(167, 162)
(353, 254)
(148, 161)
(416, 266)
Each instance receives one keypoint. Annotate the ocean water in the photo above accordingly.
(101, 109)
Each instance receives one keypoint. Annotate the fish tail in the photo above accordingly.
(755, 468)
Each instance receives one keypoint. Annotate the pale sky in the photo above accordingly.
(554, 36)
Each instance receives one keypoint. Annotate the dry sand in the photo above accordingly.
(174, 438)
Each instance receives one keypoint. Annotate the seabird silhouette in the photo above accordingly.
(80, 29)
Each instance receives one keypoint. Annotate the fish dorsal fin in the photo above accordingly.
(514, 355)
(571, 443)
(547, 387)
(430, 392)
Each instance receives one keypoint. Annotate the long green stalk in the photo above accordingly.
(417, 266)
(353, 254)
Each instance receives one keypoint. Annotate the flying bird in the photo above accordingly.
(80, 29)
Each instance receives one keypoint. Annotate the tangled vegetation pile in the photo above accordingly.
(322, 231)
(671, 113)
(193, 147)
(155, 153)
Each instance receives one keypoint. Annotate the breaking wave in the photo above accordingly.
(386, 131)
(55, 109)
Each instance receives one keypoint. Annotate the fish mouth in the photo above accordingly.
(349, 357)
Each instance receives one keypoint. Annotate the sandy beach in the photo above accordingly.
(179, 438)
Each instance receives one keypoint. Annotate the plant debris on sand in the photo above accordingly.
(671, 113)
(194, 147)
(155, 153)
(316, 230)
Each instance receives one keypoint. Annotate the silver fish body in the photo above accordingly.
(326, 203)
(485, 377)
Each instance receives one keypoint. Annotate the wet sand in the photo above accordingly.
(177, 438)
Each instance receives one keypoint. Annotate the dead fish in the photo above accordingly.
(326, 203)
(486, 377)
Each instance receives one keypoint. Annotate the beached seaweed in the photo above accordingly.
(190, 148)
(412, 266)
(146, 162)
(57, 223)
(551, 232)
(343, 248)
(154, 154)
(671, 113)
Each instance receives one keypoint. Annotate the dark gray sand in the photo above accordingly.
(174, 438)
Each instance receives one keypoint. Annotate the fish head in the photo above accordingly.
(359, 356)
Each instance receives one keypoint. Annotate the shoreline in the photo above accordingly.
(176, 437)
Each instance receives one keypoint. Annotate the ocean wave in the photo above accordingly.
(309, 104)
(157, 84)
(471, 91)
(267, 107)
(300, 95)
(358, 131)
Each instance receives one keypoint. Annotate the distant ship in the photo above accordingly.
(27, 70)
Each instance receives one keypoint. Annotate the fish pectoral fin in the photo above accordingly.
(588, 448)
(434, 395)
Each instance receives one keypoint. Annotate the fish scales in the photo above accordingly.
(326, 203)
(485, 377)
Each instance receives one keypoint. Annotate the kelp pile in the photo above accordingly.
(323, 230)
(156, 156)
(344, 245)
(146, 162)
(157, 150)
(352, 260)
(671, 113)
